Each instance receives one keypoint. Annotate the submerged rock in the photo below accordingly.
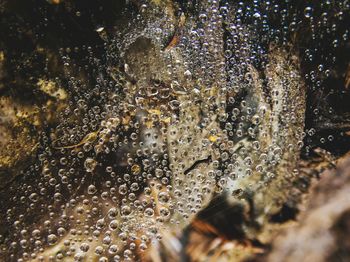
(129, 123)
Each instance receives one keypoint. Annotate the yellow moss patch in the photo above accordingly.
(50, 88)
(154, 111)
(212, 138)
(157, 2)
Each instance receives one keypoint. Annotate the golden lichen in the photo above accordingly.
(49, 87)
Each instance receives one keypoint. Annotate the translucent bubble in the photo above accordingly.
(149, 212)
(308, 12)
(90, 164)
(164, 212)
(52, 239)
(257, 15)
(123, 189)
(92, 189)
(84, 247)
(99, 250)
(163, 197)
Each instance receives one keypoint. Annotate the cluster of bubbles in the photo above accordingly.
(184, 105)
